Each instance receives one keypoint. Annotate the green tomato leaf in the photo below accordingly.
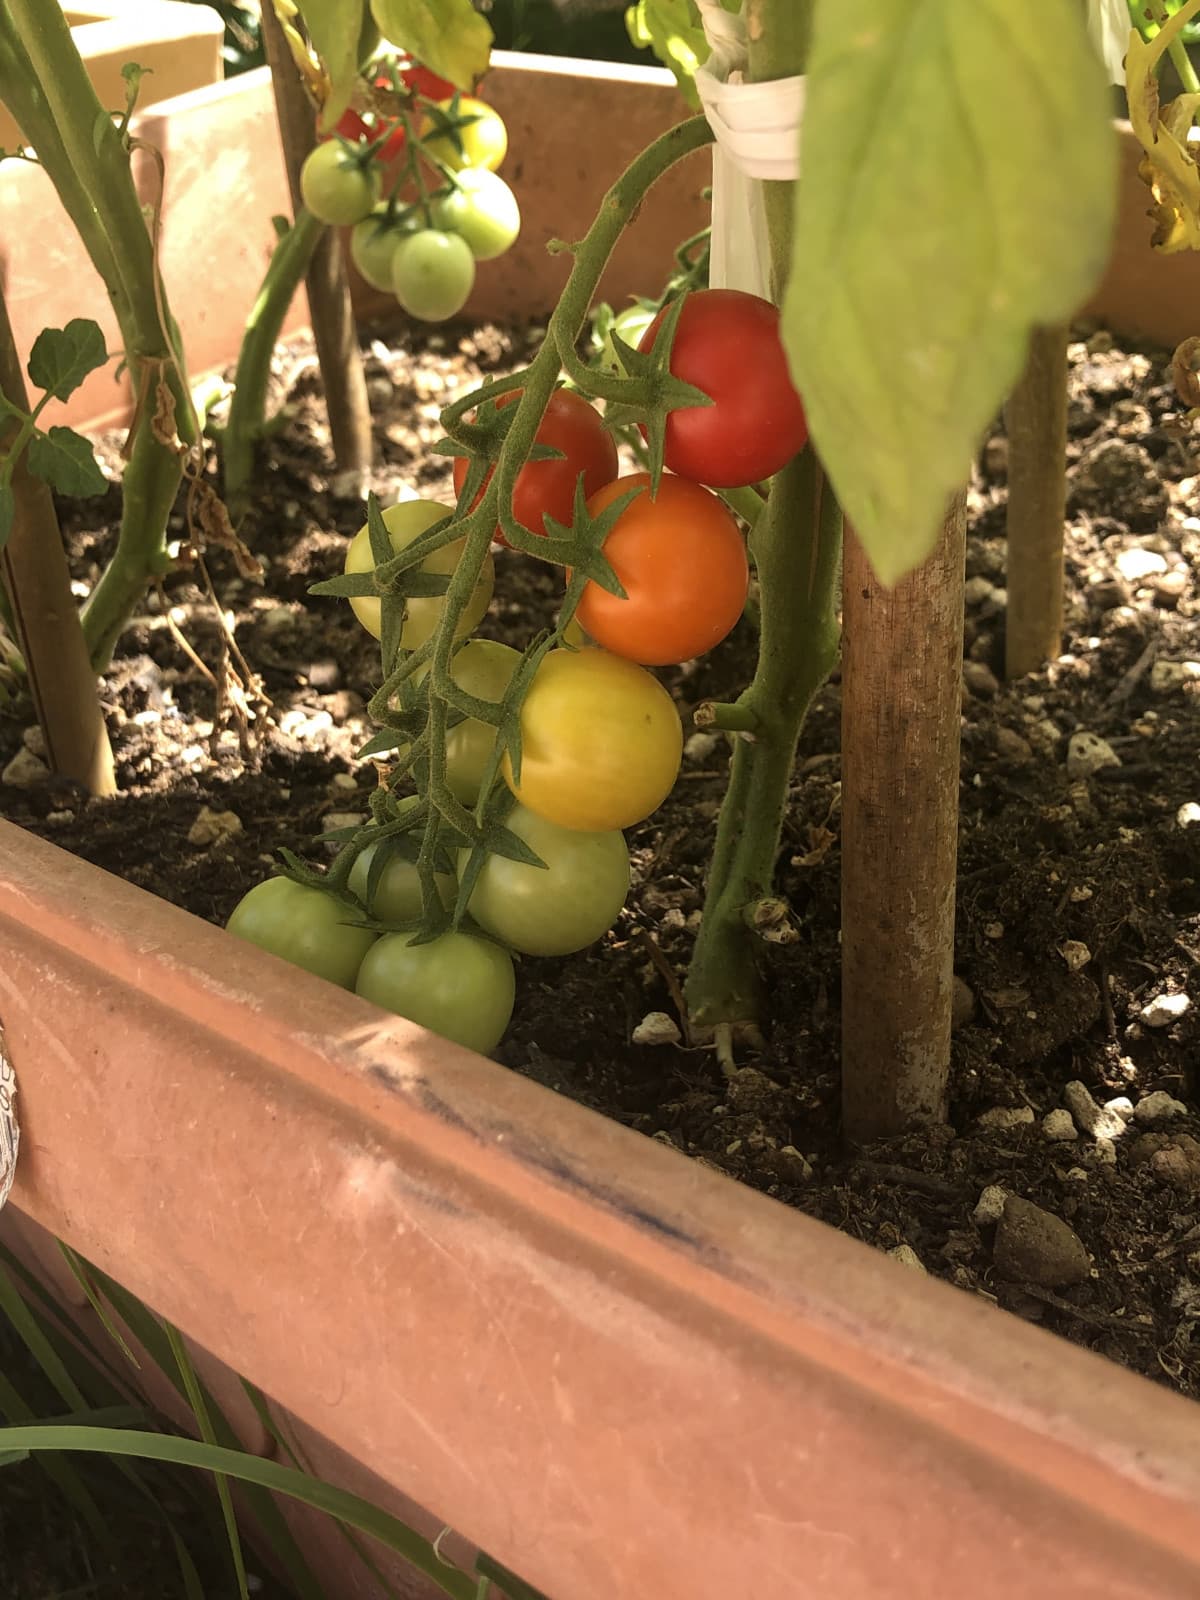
(63, 459)
(62, 358)
(8, 513)
(959, 187)
(673, 30)
(447, 36)
(334, 28)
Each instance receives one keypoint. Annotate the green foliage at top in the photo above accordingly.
(959, 187)
(673, 30)
(448, 36)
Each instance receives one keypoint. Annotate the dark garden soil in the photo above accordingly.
(1079, 905)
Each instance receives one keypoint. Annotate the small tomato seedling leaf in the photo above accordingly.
(61, 358)
(447, 36)
(959, 187)
(63, 459)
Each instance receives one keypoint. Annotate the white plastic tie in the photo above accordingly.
(756, 128)
(10, 1130)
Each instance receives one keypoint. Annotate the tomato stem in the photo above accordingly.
(43, 80)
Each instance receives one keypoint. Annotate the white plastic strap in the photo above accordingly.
(757, 133)
(10, 1131)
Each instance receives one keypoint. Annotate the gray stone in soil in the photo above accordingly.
(1035, 1247)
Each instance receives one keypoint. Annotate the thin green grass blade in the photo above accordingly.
(63, 1474)
(32, 1334)
(83, 1277)
(195, 1396)
(350, 1508)
(259, 1401)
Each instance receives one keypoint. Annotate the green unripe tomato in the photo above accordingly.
(398, 893)
(373, 250)
(304, 926)
(336, 187)
(457, 986)
(405, 522)
(484, 669)
(483, 209)
(561, 907)
(433, 274)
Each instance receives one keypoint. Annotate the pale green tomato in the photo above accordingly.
(483, 209)
(302, 925)
(335, 186)
(433, 274)
(373, 251)
(484, 669)
(561, 907)
(405, 522)
(457, 986)
(398, 892)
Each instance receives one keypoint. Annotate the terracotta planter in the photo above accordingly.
(613, 1368)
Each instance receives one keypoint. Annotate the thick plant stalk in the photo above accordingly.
(247, 412)
(38, 584)
(796, 545)
(1036, 416)
(901, 711)
(328, 286)
(44, 82)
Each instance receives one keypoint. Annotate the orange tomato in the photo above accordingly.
(681, 560)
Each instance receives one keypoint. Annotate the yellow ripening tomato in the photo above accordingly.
(482, 142)
(405, 522)
(601, 742)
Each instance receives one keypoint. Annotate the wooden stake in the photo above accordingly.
(901, 705)
(327, 284)
(1036, 417)
(38, 582)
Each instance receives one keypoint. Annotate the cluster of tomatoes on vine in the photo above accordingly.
(414, 176)
(576, 739)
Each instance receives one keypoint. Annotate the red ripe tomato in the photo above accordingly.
(727, 344)
(423, 82)
(547, 488)
(352, 125)
(682, 562)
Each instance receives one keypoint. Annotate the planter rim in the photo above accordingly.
(770, 1296)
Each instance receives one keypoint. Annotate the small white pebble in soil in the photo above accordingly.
(980, 680)
(1120, 1106)
(1104, 1152)
(1007, 1117)
(657, 1028)
(907, 1257)
(989, 1208)
(700, 746)
(993, 930)
(1075, 954)
(342, 783)
(213, 827)
(1087, 753)
(1158, 1107)
(1089, 1117)
(1167, 676)
(1012, 746)
(1080, 893)
(1188, 815)
(335, 820)
(1164, 1010)
(977, 590)
(25, 770)
(277, 619)
(1135, 564)
(192, 755)
(1058, 1126)
(34, 739)
(1077, 1175)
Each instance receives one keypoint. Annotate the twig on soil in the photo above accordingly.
(908, 1178)
(1110, 1021)
(1094, 1319)
(1130, 680)
(650, 944)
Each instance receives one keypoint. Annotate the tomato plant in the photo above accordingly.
(433, 273)
(483, 668)
(727, 344)
(546, 488)
(563, 906)
(601, 742)
(456, 985)
(681, 560)
(480, 141)
(337, 184)
(303, 925)
(397, 891)
(405, 522)
(483, 209)
(373, 243)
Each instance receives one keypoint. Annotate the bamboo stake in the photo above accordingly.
(1036, 416)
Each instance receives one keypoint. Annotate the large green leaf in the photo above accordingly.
(64, 459)
(61, 358)
(958, 187)
(448, 36)
(334, 28)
